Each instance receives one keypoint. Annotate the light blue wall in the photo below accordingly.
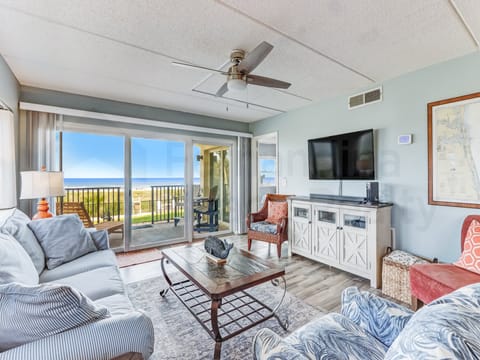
(9, 93)
(431, 231)
(80, 102)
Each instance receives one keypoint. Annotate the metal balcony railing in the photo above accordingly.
(165, 203)
(102, 203)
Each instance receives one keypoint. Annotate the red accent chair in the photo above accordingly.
(431, 281)
(280, 234)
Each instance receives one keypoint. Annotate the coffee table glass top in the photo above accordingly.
(241, 271)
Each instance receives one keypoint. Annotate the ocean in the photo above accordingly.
(136, 182)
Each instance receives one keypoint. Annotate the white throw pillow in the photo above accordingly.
(15, 264)
(29, 313)
(15, 224)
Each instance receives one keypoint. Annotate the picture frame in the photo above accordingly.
(454, 151)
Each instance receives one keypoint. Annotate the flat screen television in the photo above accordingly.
(344, 157)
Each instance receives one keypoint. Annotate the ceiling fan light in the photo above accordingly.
(236, 84)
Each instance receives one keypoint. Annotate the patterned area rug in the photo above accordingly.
(138, 257)
(179, 336)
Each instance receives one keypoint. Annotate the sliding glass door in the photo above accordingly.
(93, 166)
(153, 191)
(157, 192)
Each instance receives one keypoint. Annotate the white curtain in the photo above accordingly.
(38, 146)
(8, 188)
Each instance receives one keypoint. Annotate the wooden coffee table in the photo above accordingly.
(215, 295)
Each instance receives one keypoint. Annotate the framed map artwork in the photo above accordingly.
(454, 152)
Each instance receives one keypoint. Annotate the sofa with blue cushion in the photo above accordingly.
(96, 283)
(370, 327)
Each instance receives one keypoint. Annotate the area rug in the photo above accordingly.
(178, 335)
(138, 257)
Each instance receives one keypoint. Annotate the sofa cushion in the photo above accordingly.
(431, 281)
(63, 238)
(470, 258)
(118, 304)
(264, 226)
(15, 264)
(96, 283)
(447, 328)
(28, 313)
(15, 224)
(90, 261)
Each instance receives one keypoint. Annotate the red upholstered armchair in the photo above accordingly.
(431, 281)
(260, 229)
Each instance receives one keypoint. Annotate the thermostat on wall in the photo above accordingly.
(405, 139)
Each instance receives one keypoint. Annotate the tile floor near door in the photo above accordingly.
(317, 284)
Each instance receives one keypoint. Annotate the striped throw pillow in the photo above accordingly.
(29, 313)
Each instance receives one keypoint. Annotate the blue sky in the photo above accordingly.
(102, 156)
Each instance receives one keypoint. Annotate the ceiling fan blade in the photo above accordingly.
(222, 90)
(255, 57)
(266, 81)
(191, 66)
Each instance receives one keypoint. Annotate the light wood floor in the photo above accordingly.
(317, 284)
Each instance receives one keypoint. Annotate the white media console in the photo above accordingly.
(344, 233)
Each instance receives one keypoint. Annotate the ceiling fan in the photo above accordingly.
(239, 73)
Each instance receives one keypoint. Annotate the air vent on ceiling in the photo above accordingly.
(365, 98)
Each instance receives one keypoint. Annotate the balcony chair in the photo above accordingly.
(79, 208)
(265, 226)
(208, 207)
(428, 282)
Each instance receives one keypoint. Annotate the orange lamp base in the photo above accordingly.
(42, 210)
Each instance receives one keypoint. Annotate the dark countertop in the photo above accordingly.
(348, 201)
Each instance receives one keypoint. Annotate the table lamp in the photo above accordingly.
(42, 184)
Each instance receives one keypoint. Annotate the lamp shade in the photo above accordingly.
(8, 189)
(41, 184)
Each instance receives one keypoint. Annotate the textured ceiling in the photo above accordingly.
(123, 49)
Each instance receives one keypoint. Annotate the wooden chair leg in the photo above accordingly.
(416, 303)
(249, 244)
(279, 249)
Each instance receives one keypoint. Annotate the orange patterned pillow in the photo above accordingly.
(470, 258)
(276, 210)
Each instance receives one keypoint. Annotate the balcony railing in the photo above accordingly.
(162, 203)
(102, 203)
(168, 202)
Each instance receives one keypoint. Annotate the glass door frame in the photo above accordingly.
(233, 173)
(256, 140)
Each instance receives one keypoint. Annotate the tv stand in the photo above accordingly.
(341, 231)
